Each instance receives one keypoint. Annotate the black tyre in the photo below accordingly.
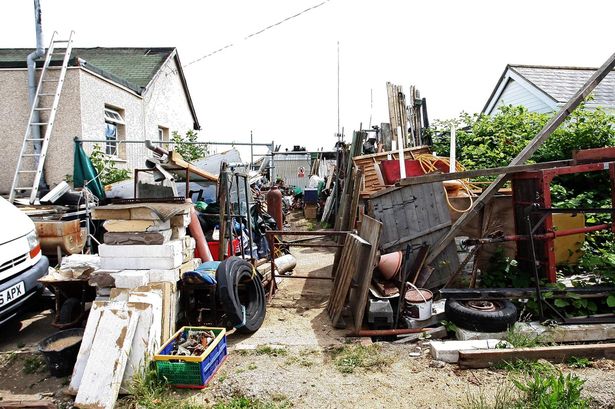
(482, 316)
(70, 310)
(246, 308)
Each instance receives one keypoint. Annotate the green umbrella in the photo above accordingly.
(84, 172)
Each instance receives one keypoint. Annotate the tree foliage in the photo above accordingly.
(184, 146)
(485, 141)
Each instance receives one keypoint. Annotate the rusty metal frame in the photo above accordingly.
(139, 170)
(272, 234)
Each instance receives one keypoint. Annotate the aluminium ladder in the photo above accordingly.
(31, 161)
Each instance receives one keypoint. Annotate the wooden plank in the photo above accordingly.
(370, 231)
(178, 160)
(551, 125)
(491, 357)
(468, 174)
(104, 371)
(27, 404)
(355, 254)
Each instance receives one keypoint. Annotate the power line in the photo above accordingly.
(258, 32)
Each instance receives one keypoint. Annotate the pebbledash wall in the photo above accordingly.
(85, 95)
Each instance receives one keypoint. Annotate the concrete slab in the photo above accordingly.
(448, 351)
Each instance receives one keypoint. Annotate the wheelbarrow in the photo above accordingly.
(71, 295)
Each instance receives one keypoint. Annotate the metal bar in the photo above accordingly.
(311, 244)
(305, 277)
(249, 215)
(173, 142)
(240, 216)
(467, 174)
(297, 153)
(307, 233)
(519, 293)
(573, 211)
(535, 269)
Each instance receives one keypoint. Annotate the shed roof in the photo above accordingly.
(133, 68)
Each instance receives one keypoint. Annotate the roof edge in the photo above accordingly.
(182, 78)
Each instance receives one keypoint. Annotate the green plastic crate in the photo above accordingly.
(191, 371)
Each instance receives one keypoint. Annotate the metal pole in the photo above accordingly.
(173, 142)
(248, 216)
(272, 165)
(240, 215)
(251, 152)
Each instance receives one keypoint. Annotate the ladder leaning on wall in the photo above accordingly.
(31, 161)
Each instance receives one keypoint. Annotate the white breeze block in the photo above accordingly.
(131, 278)
(178, 233)
(167, 250)
(448, 351)
(163, 276)
(141, 263)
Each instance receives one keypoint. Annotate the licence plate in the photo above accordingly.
(12, 293)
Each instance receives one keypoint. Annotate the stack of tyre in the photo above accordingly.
(240, 289)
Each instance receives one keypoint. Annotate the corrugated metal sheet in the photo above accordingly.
(287, 168)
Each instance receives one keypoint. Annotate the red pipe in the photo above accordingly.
(558, 233)
(197, 233)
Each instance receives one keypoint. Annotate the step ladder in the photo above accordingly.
(31, 162)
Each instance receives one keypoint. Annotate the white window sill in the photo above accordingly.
(116, 159)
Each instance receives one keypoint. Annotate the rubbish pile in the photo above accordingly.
(193, 343)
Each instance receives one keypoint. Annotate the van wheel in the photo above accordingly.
(70, 310)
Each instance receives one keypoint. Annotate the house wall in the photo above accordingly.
(14, 119)
(166, 104)
(515, 94)
(81, 114)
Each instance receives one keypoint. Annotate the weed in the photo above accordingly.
(7, 359)
(350, 357)
(576, 362)
(252, 367)
(21, 345)
(450, 326)
(268, 350)
(526, 367)
(299, 360)
(553, 391)
(520, 339)
(33, 364)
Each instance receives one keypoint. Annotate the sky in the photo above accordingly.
(282, 84)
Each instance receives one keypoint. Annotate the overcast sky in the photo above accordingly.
(282, 83)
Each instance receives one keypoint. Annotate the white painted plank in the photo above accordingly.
(89, 333)
(144, 343)
(154, 298)
(104, 371)
(140, 263)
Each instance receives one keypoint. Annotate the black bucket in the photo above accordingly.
(60, 352)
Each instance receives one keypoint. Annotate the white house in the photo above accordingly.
(545, 89)
(113, 94)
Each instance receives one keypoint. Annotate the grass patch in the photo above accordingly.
(7, 359)
(33, 364)
(269, 350)
(350, 357)
(242, 402)
(505, 397)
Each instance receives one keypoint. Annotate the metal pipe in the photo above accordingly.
(39, 52)
(248, 216)
(311, 245)
(386, 332)
(305, 277)
(158, 149)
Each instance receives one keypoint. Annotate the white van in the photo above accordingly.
(21, 260)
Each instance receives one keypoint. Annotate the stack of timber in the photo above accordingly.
(145, 252)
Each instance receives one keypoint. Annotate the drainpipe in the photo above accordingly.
(38, 53)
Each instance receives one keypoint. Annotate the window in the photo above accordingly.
(114, 130)
(163, 136)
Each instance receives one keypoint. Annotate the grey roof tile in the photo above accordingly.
(562, 82)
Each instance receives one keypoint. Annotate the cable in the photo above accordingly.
(258, 32)
(428, 165)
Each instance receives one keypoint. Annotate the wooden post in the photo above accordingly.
(525, 154)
